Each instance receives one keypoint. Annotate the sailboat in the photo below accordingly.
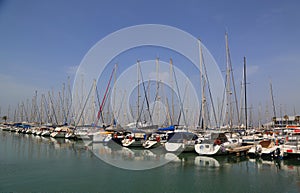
(181, 140)
(156, 139)
(216, 144)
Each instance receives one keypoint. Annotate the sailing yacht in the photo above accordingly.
(155, 140)
(134, 139)
(216, 144)
(181, 141)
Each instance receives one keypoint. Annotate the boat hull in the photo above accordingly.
(210, 149)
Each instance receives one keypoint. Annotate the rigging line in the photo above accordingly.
(109, 91)
(168, 116)
(200, 113)
(105, 95)
(84, 105)
(98, 100)
(185, 89)
(181, 104)
(70, 95)
(184, 95)
(140, 113)
(222, 105)
(121, 105)
(142, 109)
(210, 94)
(167, 109)
(63, 109)
(145, 93)
(52, 107)
(232, 77)
(156, 96)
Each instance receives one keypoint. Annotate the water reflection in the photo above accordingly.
(129, 158)
(204, 161)
(29, 147)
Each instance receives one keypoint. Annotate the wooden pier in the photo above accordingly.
(242, 150)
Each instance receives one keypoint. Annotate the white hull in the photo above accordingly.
(287, 150)
(38, 132)
(210, 149)
(45, 134)
(57, 134)
(101, 138)
(132, 143)
(70, 135)
(150, 144)
(263, 152)
(179, 147)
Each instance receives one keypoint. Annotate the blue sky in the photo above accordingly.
(42, 42)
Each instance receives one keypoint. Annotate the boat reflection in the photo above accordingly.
(204, 161)
(30, 147)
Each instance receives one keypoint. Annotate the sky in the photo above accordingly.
(43, 42)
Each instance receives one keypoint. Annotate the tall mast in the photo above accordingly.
(93, 102)
(230, 77)
(273, 102)
(202, 85)
(157, 88)
(172, 85)
(114, 99)
(228, 89)
(41, 110)
(245, 83)
(259, 116)
(138, 99)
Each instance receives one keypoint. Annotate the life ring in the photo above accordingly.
(217, 142)
(130, 138)
(158, 138)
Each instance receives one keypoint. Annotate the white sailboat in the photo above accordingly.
(181, 141)
(155, 140)
(134, 139)
(59, 132)
(216, 144)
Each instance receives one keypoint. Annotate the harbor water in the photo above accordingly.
(35, 164)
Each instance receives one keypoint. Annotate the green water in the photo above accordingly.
(34, 164)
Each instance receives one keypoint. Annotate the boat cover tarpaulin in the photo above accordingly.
(170, 128)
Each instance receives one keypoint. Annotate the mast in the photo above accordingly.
(172, 85)
(245, 83)
(157, 88)
(114, 99)
(138, 99)
(202, 85)
(230, 77)
(41, 110)
(259, 116)
(272, 98)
